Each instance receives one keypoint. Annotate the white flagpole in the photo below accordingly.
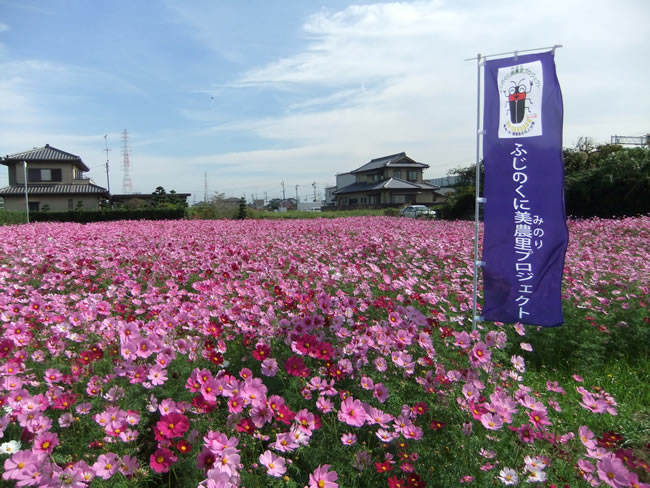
(477, 181)
(26, 197)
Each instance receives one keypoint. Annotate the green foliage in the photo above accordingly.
(461, 204)
(608, 181)
(108, 215)
(162, 199)
(8, 217)
(302, 214)
(391, 212)
(241, 212)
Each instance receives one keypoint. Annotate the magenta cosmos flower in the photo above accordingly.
(322, 477)
(161, 460)
(173, 425)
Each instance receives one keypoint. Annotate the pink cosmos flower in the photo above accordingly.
(269, 367)
(587, 437)
(161, 460)
(348, 439)
(352, 412)
(508, 476)
(107, 465)
(322, 477)
(480, 354)
(16, 466)
(380, 393)
(129, 465)
(491, 421)
(592, 404)
(538, 418)
(45, 442)
(157, 375)
(612, 471)
(275, 465)
(324, 404)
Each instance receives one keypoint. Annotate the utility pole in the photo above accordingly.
(297, 198)
(284, 197)
(108, 181)
(26, 197)
(266, 199)
(314, 185)
(205, 187)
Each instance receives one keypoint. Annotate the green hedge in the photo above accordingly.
(108, 215)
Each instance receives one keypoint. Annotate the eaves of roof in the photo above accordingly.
(53, 190)
(389, 184)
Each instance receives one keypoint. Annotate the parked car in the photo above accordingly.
(417, 212)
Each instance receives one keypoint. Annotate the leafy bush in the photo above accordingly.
(109, 215)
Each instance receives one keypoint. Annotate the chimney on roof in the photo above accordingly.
(47, 145)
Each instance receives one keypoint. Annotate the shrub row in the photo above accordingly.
(109, 215)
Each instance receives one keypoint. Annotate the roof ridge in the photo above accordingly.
(36, 149)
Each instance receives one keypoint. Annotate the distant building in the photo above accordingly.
(393, 180)
(55, 181)
(444, 181)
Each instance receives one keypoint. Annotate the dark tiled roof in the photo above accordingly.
(389, 184)
(46, 153)
(393, 161)
(88, 189)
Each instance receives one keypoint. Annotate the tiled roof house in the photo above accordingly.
(55, 180)
(388, 181)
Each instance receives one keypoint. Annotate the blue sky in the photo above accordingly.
(253, 93)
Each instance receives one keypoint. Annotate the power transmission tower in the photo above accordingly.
(127, 185)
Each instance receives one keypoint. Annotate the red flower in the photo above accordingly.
(420, 408)
(284, 414)
(394, 482)
(246, 426)
(437, 425)
(296, 367)
(262, 352)
(384, 467)
(184, 446)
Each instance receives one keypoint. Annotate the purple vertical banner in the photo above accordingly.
(526, 234)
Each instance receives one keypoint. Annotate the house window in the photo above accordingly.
(397, 173)
(412, 175)
(44, 175)
(70, 204)
(399, 198)
(34, 206)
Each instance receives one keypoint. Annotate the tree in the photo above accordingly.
(607, 181)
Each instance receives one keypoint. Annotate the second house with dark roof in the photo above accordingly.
(55, 181)
(389, 181)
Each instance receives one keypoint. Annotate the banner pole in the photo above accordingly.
(477, 182)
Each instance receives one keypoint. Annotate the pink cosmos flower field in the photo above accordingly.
(317, 353)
